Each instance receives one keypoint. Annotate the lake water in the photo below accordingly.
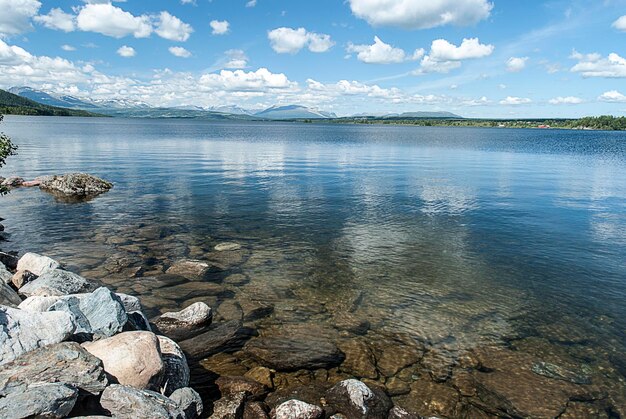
(500, 255)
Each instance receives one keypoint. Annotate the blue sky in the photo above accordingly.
(477, 58)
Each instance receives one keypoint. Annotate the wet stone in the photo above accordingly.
(229, 407)
(360, 360)
(225, 337)
(355, 399)
(255, 410)
(229, 386)
(186, 323)
(296, 409)
(428, 398)
(261, 375)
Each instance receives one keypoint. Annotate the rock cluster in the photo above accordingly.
(80, 185)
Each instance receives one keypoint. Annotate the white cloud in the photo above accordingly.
(239, 80)
(57, 19)
(382, 53)
(220, 27)
(188, 2)
(290, 41)
(421, 14)
(67, 47)
(593, 65)
(112, 21)
(620, 24)
(15, 15)
(126, 51)
(515, 101)
(251, 3)
(172, 28)
(445, 56)
(236, 58)
(612, 96)
(516, 64)
(567, 100)
(179, 52)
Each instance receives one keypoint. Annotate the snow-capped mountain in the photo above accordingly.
(293, 112)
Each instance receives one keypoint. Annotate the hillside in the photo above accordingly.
(11, 104)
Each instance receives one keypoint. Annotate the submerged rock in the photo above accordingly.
(295, 409)
(21, 331)
(37, 264)
(57, 282)
(225, 337)
(356, 400)
(295, 353)
(48, 400)
(186, 323)
(194, 270)
(231, 385)
(175, 368)
(76, 184)
(65, 362)
(227, 247)
(130, 403)
(131, 358)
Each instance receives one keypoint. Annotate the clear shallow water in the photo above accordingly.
(459, 238)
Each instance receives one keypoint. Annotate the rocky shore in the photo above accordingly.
(70, 347)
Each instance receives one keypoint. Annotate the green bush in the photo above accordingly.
(7, 148)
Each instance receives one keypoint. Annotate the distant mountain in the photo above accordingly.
(159, 113)
(51, 99)
(447, 115)
(231, 109)
(120, 104)
(293, 112)
(13, 104)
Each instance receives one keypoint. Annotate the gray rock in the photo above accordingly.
(5, 275)
(354, 399)
(186, 323)
(22, 331)
(48, 400)
(12, 182)
(295, 409)
(9, 260)
(294, 353)
(99, 314)
(76, 184)
(22, 278)
(8, 297)
(227, 337)
(57, 282)
(230, 407)
(189, 401)
(65, 362)
(129, 403)
(39, 304)
(175, 367)
(37, 264)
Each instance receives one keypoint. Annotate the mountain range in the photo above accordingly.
(138, 109)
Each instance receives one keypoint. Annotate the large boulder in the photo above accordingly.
(22, 278)
(65, 362)
(21, 331)
(76, 184)
(130, 358)
(99, 315)
(186, 323)
(47, 400)
(125, 402)
(284, 353)
(225, 337)
(8, 297)
(354, 399)
(57, 282)
(176, 370)
(296, 409)
(37, 264)
(189, 401)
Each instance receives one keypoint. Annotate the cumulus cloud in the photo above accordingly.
(567, 100)
(172, 28)
(290, 41)
(240, 80)
(594, 65)
(109, 20)
(220, 27)
(612, 96)
(445, 56)
(515, 101)
(382, 53)
(620, 24)
(516, 64)
(57, 19)
(251, 3)
(126, 51)
(179, 52)
(16, 14)
(421, 14)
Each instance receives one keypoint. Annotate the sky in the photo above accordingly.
(476, 58)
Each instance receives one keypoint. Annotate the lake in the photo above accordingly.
(471, 272)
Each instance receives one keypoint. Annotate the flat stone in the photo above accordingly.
(189, 401)
(355, 399)
(131, 358)
(261, 375)
(226, 337)
(232, 385)
(360, 360)
(428, 398)
(76, 184)
(296, 409)
(21, 331)
(351, 323)
(47, 400)
(186, 323)
(194, 270)
(284, 353)
(192, 290)
(37, 264)
(22, 278)
(227, 247)
(65, 362)
(229, 407)
(57, 282)
(175, 370)
(130, 403)
(8, 296)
